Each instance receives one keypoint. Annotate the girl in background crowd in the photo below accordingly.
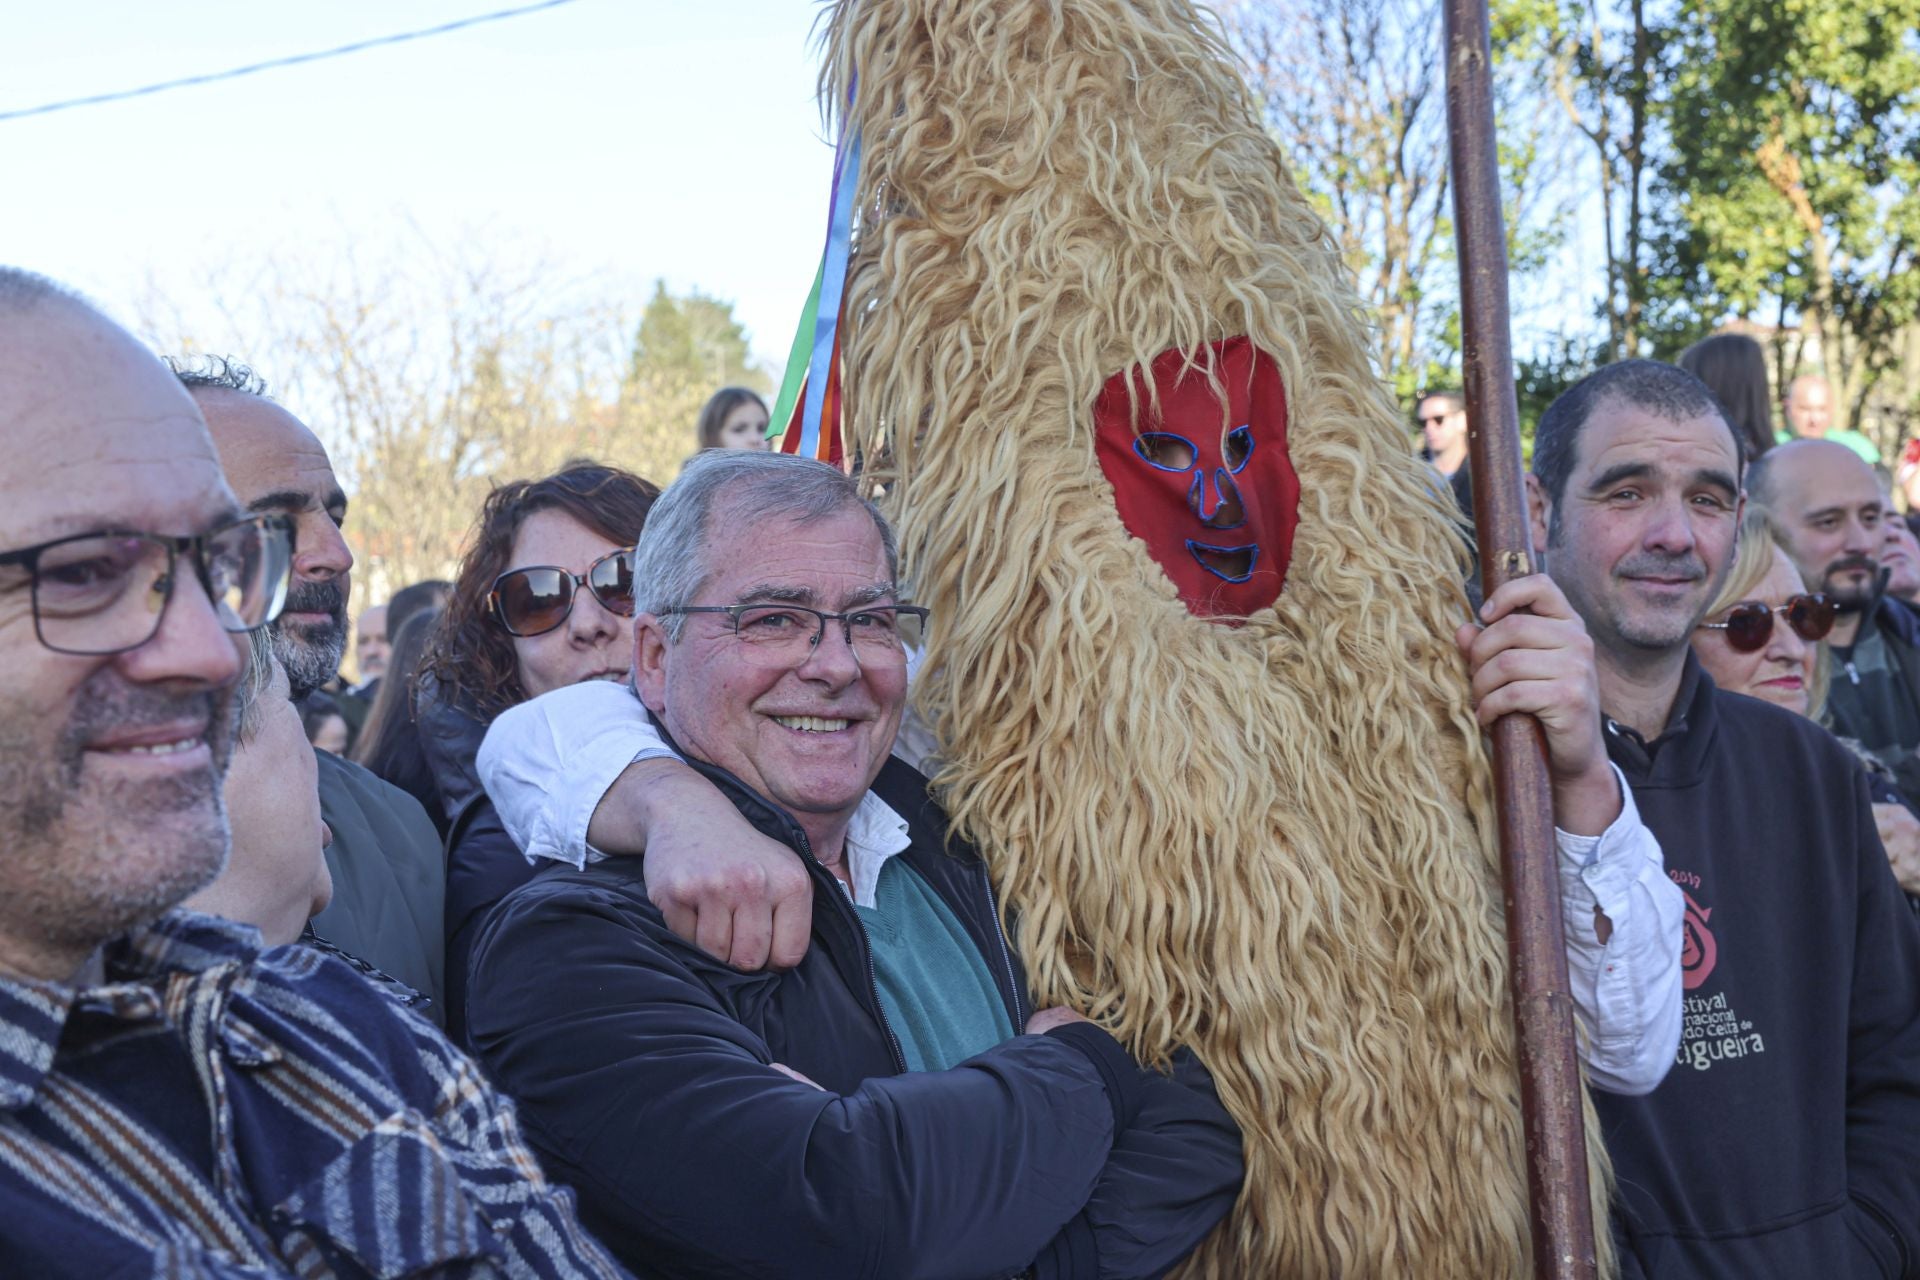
(1734, 367)
(735, 418)
(389, 742)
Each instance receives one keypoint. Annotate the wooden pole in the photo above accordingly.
(1550, 1098)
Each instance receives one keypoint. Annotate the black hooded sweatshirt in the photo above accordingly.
(1785, 1141)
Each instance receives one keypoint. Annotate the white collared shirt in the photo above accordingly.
(548, 762)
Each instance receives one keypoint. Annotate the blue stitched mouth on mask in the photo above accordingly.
(1231, 564)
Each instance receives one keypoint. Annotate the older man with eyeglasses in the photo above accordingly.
(175, 1100)
(889, 1107)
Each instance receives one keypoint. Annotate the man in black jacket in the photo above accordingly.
(1782, 1143)
(890, 1107)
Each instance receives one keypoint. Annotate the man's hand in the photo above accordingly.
(1533, 657)
(740, 897)
(1047, 1019)
(1900, 833)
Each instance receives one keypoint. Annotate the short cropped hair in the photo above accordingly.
(217, 373)
(670, 564)
(1648, 385)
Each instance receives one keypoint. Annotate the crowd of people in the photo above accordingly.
(608, 923)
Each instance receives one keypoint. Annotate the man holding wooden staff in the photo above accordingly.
(1783, 1143)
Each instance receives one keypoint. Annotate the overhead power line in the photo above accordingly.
(271, 64)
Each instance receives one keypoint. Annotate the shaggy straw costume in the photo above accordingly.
(1272, 841)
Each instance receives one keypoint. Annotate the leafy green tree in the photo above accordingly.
(1793, 175)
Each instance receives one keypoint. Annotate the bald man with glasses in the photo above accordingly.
(175, 1099)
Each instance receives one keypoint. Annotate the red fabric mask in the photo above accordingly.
(1217, 514)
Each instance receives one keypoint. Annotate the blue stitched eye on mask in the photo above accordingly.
(1239, 447)
(1165, 451)
(1169, 451)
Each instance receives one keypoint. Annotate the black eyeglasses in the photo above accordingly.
(534, 600)
(785, 635)
(101, 593)
(1750, 625)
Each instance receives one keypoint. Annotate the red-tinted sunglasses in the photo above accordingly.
(1749, 626)
(538, 598)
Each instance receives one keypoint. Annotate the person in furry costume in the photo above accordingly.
(1235, 786)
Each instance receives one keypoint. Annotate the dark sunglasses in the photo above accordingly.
(538, 598)
(1749, 626)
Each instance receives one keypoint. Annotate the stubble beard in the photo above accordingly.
(88, 857)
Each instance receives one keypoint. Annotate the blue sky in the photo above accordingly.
(630, 139)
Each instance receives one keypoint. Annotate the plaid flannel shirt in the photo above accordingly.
(212, 1110)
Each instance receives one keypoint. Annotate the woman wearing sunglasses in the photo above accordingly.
(543, 599)
(1764, 638)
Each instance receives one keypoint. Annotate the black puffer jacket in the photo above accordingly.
(641, 1069)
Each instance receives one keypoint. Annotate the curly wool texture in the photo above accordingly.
(1272, 842)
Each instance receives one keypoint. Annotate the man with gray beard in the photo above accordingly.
(388, 877)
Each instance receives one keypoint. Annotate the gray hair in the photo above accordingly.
(217, 373)
(256, 679)
(670, 565)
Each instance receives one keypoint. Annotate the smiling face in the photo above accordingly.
(110, 766)
(744, 427)
(593, 643)
(277, 465)
(1780, 671)
(810, 738)
(1644, 532)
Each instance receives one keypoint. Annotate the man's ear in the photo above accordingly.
(650, 662)
(1539, 516)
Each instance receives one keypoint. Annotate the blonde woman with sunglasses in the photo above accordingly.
(1765, 636)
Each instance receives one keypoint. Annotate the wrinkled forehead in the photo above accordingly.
(825, 561)
(97, 433)
(1620, 433)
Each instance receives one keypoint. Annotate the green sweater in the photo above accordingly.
(935, 988)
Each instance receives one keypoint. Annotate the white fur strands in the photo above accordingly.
(1272, 842)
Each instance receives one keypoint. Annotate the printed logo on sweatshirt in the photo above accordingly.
(1698, 951)
(1711, 1032)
